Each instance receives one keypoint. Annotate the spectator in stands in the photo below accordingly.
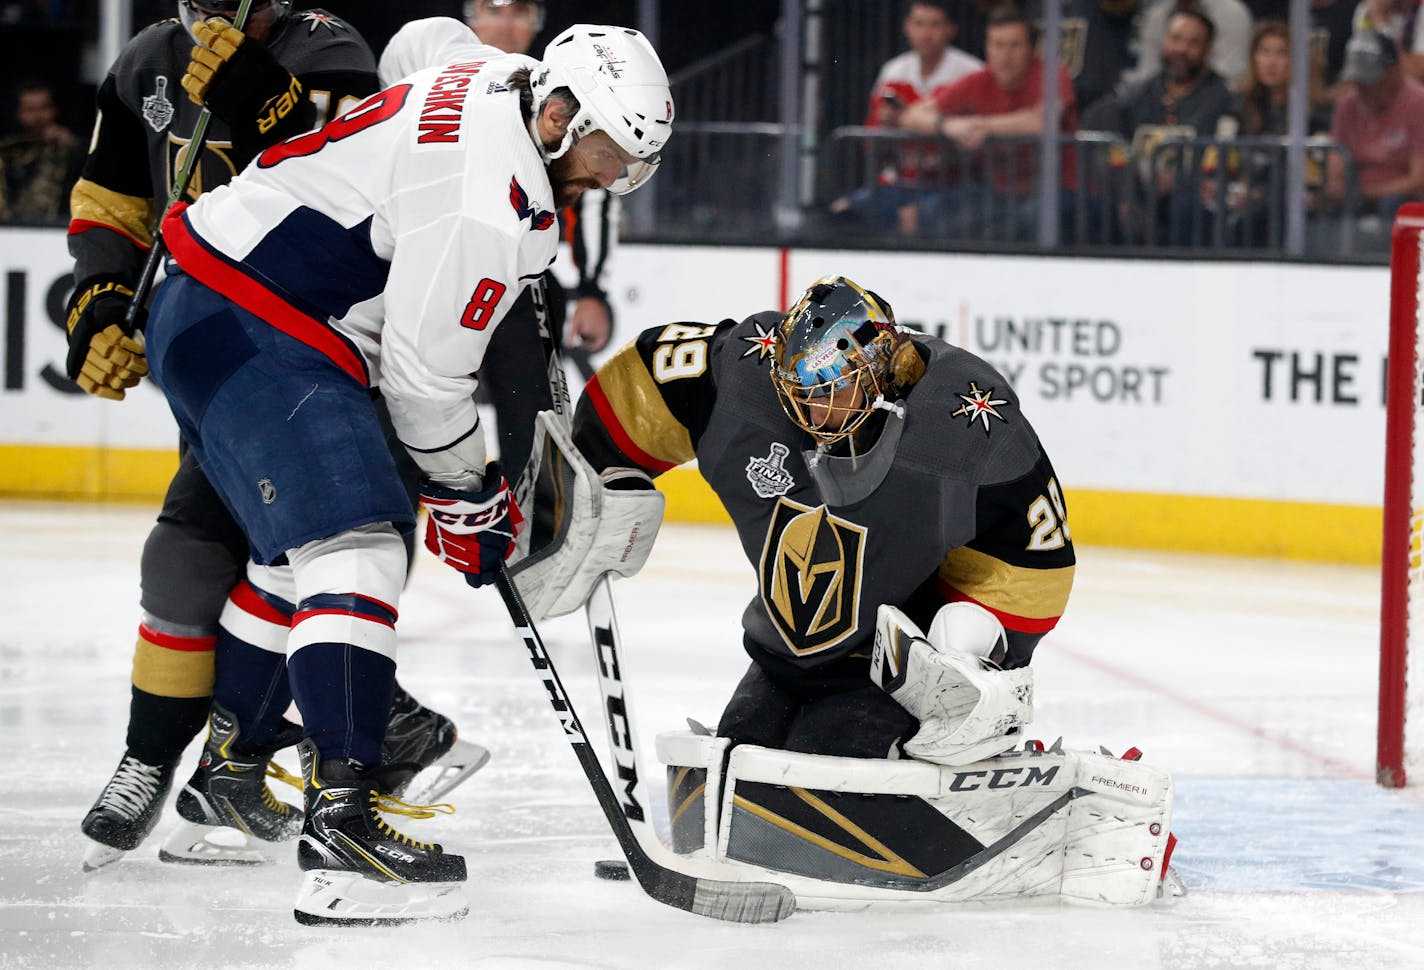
(1251, 199)
(39, 163)
(1002, 100)
(1379, 119)
(902, 170)
(1231, 23)
(1399, 21)
(1097, 43)
(1185, 99)
(1265, 88)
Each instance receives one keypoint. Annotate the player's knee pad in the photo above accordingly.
(1080, 826)
(347, 589)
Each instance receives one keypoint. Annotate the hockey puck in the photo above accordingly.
(615, 869)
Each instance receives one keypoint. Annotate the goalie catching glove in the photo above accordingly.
(472, 531)
(239, 81)
(105, 355)
(968, 709)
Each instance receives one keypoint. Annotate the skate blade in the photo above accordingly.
(98, 855)
(448, 772)
(192, 844)
(331, 897)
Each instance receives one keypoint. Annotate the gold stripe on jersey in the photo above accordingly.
(172, 673)
(127, 215)
(640, 409)
(1035, 594)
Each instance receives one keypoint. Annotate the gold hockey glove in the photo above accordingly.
(239, 81)
(105, 357)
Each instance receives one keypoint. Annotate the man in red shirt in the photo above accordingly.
(1380, 121)
(1004, 100)
(902, 168)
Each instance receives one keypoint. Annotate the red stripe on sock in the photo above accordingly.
(169, 642)
(245, 598)
(307, 614)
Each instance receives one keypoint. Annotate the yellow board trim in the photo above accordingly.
(88, 473)
(1185, 523)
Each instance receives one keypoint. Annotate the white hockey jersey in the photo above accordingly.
(394, 240)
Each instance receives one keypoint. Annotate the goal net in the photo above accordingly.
(1400, 755)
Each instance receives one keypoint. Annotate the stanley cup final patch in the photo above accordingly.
(768, 475)
(157, 109)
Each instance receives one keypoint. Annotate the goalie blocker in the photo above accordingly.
(1075, 826)
(583, 524)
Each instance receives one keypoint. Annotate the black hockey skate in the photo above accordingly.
(230, 815)
(360, 871)
(126, 810)
(417, 739)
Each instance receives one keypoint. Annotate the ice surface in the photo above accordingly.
(1253, 681)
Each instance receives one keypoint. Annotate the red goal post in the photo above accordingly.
(1400, 753)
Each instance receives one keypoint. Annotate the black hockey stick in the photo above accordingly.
(738, 902)
(175, 192)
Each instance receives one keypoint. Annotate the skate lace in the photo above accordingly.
(389, 803)
(276, 771)
(131, 789)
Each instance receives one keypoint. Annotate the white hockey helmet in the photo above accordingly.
(621, 87)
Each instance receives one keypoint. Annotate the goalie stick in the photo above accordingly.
(181, 179)
(738, 902)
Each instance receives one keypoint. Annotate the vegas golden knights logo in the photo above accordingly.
(810, 576)
(215, 165)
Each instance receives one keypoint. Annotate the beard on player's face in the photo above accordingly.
(569, 180)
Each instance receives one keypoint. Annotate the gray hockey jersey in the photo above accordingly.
(959, 502)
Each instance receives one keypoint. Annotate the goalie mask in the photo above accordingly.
(621, 88)
(262, 16)
(833, 358)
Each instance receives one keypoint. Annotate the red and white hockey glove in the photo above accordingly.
(472, 531)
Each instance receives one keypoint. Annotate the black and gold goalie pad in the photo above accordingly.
(1079, 826)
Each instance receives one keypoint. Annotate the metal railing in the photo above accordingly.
(721, 182)
(1232, 194)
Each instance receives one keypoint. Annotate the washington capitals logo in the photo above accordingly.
(315, 18)
(538, 218)
(763, 344)
(979, 405)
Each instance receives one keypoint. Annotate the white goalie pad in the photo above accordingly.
(581, 525)
(1072, 826)
(967, 709)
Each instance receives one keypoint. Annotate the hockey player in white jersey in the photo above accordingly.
(381, 250)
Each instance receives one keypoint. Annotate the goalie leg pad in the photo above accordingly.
(1072, 826)
(967, 711)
